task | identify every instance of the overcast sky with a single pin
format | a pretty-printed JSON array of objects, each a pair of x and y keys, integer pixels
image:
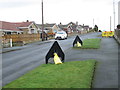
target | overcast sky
[{"x": 64, "y": 11}]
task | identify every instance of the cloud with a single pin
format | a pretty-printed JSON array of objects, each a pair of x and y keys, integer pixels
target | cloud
[
  {"x": 16, "y": 3},
  {"x": 56, "y": 11}
]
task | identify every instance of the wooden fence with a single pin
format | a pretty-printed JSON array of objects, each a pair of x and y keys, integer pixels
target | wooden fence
[{"x": 22, "y": 37}]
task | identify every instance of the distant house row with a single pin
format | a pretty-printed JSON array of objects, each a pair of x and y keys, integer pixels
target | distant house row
[{"x": 30, "y": 27}]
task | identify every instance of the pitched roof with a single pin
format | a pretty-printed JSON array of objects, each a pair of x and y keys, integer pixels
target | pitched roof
[
  {"x": 62, "y": 26},
  {"x": 46, "y": 25},
  {"x": 49, "y": 25},
  {"x": 13, "y": 25},
  {"x": 71, "y": 23}
]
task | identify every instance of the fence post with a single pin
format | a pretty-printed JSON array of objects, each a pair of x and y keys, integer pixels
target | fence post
[{"x": 10, "y": 42}]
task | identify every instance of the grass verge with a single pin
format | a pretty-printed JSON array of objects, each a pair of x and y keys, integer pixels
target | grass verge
[
  {"x": 91, "y": 43},
  {"x": 75, "y": 74}
]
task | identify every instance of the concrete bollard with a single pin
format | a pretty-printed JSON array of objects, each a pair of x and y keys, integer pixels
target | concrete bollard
[{"x": 10, "y": 42}]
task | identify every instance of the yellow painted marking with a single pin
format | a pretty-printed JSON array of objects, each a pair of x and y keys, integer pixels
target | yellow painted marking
[{"x": 57, "y": 59}]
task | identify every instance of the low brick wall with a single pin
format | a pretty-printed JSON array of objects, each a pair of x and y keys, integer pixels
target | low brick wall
[{"x": 117, "y": 35}]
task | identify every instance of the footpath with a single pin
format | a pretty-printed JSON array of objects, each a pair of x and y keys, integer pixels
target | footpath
[
  {"x": 106, "y": 71},
  {"x": 9, "y": 49}
]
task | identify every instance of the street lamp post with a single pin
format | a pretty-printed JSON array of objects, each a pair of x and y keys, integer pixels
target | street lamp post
[{"x": 110, "y": 23}]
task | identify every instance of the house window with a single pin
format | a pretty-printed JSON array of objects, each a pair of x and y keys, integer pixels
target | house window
[
  {"x": 32, "y": 30},
  {"x": 55, "y": 31},
  {"x": 30, "y": 26},
  {"x": 7, "y": 33}
]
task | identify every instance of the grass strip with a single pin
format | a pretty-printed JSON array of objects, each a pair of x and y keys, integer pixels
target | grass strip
[
  {"x": 91, "y": 44},
  {"x": 75, "y": 74}
]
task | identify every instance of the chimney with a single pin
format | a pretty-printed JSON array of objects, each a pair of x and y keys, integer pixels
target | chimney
[
  {"x": 76, "y": 23},
  {"x": 27, "y": 21}
]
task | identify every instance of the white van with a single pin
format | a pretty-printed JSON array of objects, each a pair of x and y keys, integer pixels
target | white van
[{"x": 61, "y": 35}]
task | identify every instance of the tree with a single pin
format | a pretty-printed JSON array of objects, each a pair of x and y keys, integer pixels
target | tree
[
  {"x": 96, "y": 28},
  {"x": 118, "y": 26}
]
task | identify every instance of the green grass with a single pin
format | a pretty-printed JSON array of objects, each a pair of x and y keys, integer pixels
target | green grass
[
  {"x": 75, "y": 74},
  {"x": 91, "y": 43}
]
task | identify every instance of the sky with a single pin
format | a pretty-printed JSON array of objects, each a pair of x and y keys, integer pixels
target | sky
[{"x": 64, "y": 11}]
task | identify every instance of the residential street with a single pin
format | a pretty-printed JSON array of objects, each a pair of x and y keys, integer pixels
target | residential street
[{"x": 17, "y": 63}]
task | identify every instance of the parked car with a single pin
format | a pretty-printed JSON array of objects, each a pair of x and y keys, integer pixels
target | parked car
[{"x": 61, "y": 35}]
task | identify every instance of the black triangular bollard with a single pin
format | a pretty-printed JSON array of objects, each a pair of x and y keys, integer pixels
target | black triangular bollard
[
  {"x": 77, "y": 39},
  {"x": 55, "y": 49}
]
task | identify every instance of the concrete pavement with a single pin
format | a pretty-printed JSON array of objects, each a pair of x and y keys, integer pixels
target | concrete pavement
[{"x": 9, "y": 49}]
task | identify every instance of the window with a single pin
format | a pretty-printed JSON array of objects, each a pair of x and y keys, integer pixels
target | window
[{"x": 32, "y": 30}]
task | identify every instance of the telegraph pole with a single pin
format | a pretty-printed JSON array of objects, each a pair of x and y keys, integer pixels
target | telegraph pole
[
  {"x": 110, "y": 23},
  {"x": 118, "y": 12},
  {"x": 93, "y": 23},
  {"x": 114, "y": 12},
  {"x": 42, "y": 23}
]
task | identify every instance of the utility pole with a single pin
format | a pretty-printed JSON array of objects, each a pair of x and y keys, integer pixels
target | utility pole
[
  {"x": 93, "y": 23},
  {"x": 110, "y": 23},
  {"x": 119, "y": 12},
  {"x": 42, "y": 23},
  {"x": 114, "y": 12}
]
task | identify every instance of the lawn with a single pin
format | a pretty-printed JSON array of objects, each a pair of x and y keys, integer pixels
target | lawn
[
  {"x": 91, "y": 43},
  {"x": 75, "y": 74}
]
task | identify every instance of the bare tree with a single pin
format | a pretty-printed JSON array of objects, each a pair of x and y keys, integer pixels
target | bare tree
[{"x": 96, "y": 28}]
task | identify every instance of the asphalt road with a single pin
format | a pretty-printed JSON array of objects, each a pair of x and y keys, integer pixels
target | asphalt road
[{"x": 17, "y": 63}]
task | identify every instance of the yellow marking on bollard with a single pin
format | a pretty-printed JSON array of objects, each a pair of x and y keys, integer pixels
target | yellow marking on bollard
[
  {"x": 78, "y": 44},
  {"x": 57, "y": 59}
]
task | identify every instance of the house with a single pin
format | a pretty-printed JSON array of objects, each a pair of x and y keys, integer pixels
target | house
[
  {"x": 29, "y": 28},
  {"x": 73, "y": 26},
  {"x": 9, "y": 28},
  {"x": 67, "y": 28},
  {"x": 49, "y": 28},
  {"x": 18, "y": 27},
  {"x": 79, "y": 28},
  {"x": 86, "y": 28}
]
